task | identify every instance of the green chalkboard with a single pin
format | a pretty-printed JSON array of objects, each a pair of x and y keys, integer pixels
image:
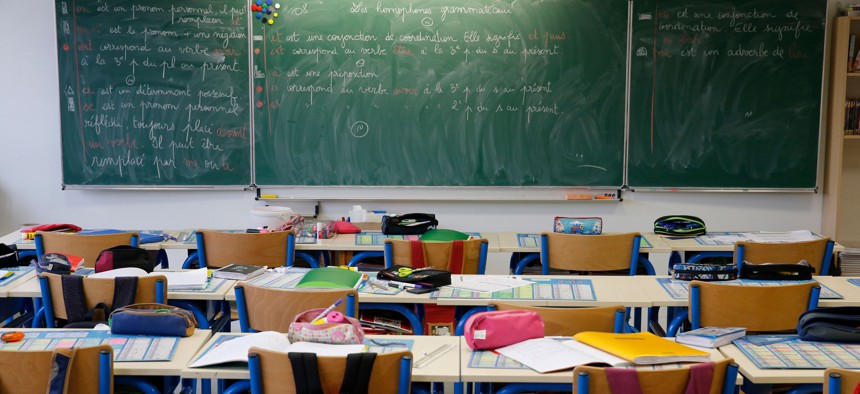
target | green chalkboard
[
  {"x": 154, "y": 93},
  {"x": 441, "y": 93},
  {"x": 726, "y": 94}
]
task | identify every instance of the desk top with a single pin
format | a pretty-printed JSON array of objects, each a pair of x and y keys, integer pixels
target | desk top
[
  {"x": 706, "y": 242},
  {"x": 770, "y": 376},
  {"x": 608, "y": 290},
  {"x": 30, "y": 288},
  {"x": 446, "y": 368},
  {"x": 510, "y": 242},
  {"x": 527, "y": 375},
  {"x": 184, "y": 350},
  {"x": 660, "y": 297}
]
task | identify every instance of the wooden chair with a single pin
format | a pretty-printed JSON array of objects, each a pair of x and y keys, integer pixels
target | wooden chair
[
  {"x": 841, "y": 381},
  {"x": 818, "y": 253},
  {"x": 439, "y": 254},
  {"x": 587, "y": 253},
  {"x": 86, "y": 246},
  {"x": 262, "y": 309},
  {"x": 271, "y": 372},
  {"x": 32, "y": 371},
  {"x": 217, "y": 249},
  {"x": 757, "y": 308},
  {"x": 96, "y": 290},
  {"x": 569, "y": 321},
  {"x": 594, "y": 380}
]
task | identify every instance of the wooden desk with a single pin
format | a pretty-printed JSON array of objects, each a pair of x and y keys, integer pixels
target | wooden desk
[
  {"x": 9, "y": 289},
  {"x": 692, "y": 245},
  {"x": 761, "y": 376},
  {"x": 608, "y": 290},
  {"x": 184, "y": 351},
  {"x": 526, "y": 375},
  {"x": 30, "y": 289},
  {"x": 400, "y": 298},
  {"x": 508, "y": 242},
  {"x": 660, "y": 297},
  {"x": 446, "y": 368}
]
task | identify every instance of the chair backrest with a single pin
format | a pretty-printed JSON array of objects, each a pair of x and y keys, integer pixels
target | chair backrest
[
  {"x": 590, "y": 253},
  {"x": 271, "y": 372},
  {"x": 86, "y": 246},
  {"x": 98, "y": 290},
  {"x": 438, "y": 254},
  {"x": 217, "y": 249},
  {"x": 262, "y": 309},
  {"x": 32, "y": 371},
  {"x": 569, "y": 321},
  {"x": 594, "y": 380},
  {"x": 757, "y": 308},
  {"x": 841, "y": 381},
  {"x": 817, "y": 253}
]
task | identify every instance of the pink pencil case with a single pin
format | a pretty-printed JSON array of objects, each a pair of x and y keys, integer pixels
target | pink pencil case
[{"x": 495, "y": 329}]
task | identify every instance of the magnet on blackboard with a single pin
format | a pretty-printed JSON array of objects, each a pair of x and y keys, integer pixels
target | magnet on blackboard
[
  {"x": 275, "y": 15},
  {"x": 259, "y": 15},
  {"x": 277, "y": 6},
  {"x": 265, "y": 20},
  {"x": 271, "y": 21},
  {"x": 269, "y": 11}
]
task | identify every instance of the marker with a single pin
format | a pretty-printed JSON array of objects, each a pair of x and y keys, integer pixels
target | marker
[{"x": 403, "y": 285}]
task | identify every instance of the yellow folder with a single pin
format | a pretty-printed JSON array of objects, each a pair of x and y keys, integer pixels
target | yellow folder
[{"x": 642, "y": 348}]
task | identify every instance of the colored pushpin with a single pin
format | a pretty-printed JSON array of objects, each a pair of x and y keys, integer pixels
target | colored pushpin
[
  {"x": 277, "y": 6},
  {"x": 265, "y": 20},
  {"x": 275, "y": 15},
  {"x": 259, "y": 15},
  {"x": 269, "y": 11},
  {"x": 271, "y": 21},
  {"x": 269, "y": 2},
  {"x": 265, "y": 6},
  {"x": 259, "y": 2}
]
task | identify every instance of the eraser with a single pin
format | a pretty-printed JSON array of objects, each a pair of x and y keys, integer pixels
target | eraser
[{"x": 579, "y": 196}]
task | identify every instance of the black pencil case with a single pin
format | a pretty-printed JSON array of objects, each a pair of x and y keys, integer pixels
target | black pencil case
[
  {"x": 417, "y": 276},
  {"x": 409, "y": 224},
  {"x": 705, "y": 271}
]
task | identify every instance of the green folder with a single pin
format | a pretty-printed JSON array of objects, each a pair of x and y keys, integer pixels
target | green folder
[{"x": 329, "y": 278}]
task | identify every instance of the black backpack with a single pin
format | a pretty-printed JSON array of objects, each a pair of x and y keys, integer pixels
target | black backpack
[{"x": 124, "y": 256}]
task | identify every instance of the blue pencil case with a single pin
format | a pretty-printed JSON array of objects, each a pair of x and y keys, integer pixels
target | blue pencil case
[{"x": 578, "y": 225}]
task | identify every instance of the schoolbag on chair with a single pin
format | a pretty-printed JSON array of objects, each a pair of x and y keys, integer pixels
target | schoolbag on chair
[{"x": 79, "y": 316}]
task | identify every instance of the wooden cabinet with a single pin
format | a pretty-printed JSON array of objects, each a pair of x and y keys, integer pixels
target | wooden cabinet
[{"x": 841, "y": 218}]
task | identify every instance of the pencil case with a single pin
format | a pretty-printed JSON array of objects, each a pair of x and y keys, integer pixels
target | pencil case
[
  {"x": 705, "y": 271},
  {"x": 341, "y": 330},
  {"x": 578, "y": 225},
  {"x": 838, "y": 324},
  {"x": 427, "y": 277},
  {"x": 152, "y": 319},
  {"x": 408, "y": 224},
  {"x": 680, "y": 225},
  {"x": 495, "y": 329}
]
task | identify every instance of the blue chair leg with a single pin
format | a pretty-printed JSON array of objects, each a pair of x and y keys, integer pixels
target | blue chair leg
[{"x": 241, "y": 386}]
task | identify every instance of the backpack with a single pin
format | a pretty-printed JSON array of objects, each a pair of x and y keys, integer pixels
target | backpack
[
  {"x": 124, "y": 256},
  {"x": 79, "y": 316},
  {"x": 838, "y": 324},
  {"x": 356, "y": 377},
  {"x": 8, "y": 256}
]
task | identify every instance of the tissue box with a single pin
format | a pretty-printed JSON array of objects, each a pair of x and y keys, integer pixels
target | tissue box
[{"x": 312, "y": 230}]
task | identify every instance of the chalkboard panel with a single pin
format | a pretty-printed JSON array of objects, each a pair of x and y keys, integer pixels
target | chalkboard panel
[
  {"x": 154, "y": 92},
  {"x": 726, "y": 94},
  {"x": 441, "y": 92}
]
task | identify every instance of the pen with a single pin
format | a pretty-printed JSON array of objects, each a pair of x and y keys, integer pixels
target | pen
[
  {"x": 360, "y": 282},
  {"x": 327, "y": 310},
  {"x": 403, "y": 285}
]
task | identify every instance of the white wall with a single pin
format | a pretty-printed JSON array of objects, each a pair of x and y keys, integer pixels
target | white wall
[{"x": 30, "y": 173}]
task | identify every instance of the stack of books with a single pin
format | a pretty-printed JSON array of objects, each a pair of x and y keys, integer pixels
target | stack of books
[
  {"x": 239, "y": 271},
  {"x": 711, "y": 337}
]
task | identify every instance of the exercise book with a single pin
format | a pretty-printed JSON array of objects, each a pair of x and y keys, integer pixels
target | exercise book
[
  {"x": 798, "y": 354},
  {"x": 680, "y": 289},
  {"x": 541, "y": 289},
  {"x": 275, "y": 280},
  {"x": 729, "y": 238},
  {"x": 125, "y": 347}
]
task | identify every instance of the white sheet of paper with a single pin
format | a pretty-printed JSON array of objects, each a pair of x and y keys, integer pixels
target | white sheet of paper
[
  {"x": 548, "y": 355},
  {"x": 236, "y": 350},
  {"x": 485, "y": 284},
  {"x": 781, "y": 236},
  {"x": 185, "y": 280}
]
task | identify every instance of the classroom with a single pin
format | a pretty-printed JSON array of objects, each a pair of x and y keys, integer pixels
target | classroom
[
  {"x": 582, "y": 124},
  {"x": 31, "y": 182}
]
